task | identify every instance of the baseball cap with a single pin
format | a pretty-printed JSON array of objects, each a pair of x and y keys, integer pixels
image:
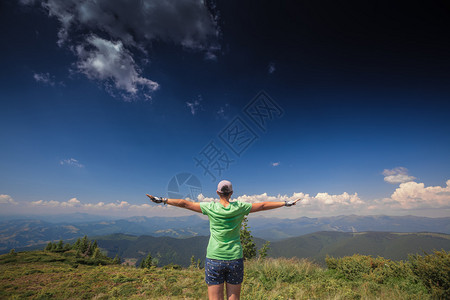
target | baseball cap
[{"x": 224, "y": 187}]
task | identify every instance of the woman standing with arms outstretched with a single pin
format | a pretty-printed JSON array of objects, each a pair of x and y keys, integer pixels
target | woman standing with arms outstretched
[{"x": 224, "y": 258}]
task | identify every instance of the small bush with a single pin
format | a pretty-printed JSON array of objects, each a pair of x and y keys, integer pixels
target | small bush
[
  {"x": 122, "y": 279},
  {"x": 248, "y": 245},
  {"x": 434, "y": 271},
  {"x": 263, "y": 251},
  {"x": 123, "y": 291},
  {"x": 172, "y": 267},
  {"x": 380, "y": 270},
  {"x": 116, "y": 260},
  {"x": 147, "y": 263},
  {"x": 352, "y": 267},
  {"x": 33, "y": 271}
]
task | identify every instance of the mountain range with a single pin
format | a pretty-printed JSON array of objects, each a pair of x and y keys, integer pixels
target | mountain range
[{"x": 33, "y": 231}]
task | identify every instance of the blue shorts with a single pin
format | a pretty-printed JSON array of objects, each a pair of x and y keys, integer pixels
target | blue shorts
[{"x": 220, "y": 271}]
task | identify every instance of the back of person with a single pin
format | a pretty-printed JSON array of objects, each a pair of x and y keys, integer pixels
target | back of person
[{"x": 225, "y": 224}]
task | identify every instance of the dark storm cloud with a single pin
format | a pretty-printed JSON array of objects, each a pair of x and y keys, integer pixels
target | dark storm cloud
[{"x": 108, "y": 31}]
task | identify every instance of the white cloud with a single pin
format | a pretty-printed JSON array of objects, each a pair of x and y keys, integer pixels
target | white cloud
[
  {"x": 275, "y": 164},
  {"x": 71, "y": 162},
  {"x": 44, "y": 78},
  {"x": 209, "y": 55},
  {"x": 50, "y": 203},
  {"x": 271, "y": 67},
  {"x": 127, "y": 26},
  {"x": 104, "y": 60},
  {"x": 195, "y": 105},
  {"x": 118, "y": 208},
  {"x": 221, "y": 113},
  {"x": 397, "y": 175},
  {"x": 75, "y": 203},
  {"x": 7, "y": 199},
  {"x": 319, "y": 202},
  {"x": 202, "y": 198},
  {"x": 413, "y": 195}
]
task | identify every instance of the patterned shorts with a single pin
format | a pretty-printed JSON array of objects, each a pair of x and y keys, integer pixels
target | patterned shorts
[{"x": 220, "y": 271}]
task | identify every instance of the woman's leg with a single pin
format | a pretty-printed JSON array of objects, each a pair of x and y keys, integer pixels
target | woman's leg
[
  {"x": 234, "y": 277},
  {"x": 215, "y": 292},
  {"x": 233, "y": 291}
]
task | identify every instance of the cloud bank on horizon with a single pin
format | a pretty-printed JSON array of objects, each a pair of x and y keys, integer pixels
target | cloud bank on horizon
[
  {"x": 408, "y": 196},
  {"x": 107, "y": 37}
]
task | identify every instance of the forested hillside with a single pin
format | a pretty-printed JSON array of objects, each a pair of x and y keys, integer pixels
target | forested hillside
[{"x": 316, "y": 246}]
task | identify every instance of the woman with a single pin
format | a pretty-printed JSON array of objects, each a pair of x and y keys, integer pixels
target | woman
[{"x": 224, "y": 258}]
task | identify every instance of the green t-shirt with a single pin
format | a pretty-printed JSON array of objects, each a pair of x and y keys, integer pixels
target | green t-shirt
[{"x": 224, "y": 225}]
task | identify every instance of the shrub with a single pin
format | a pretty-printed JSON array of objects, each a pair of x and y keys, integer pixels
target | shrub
[
  {"x": 116, "y": 260},
  {"x": 49, "y": 247},
  {"x": 195, "y": 264},
  {"x": 366, "y": 267},
  {"x": 172, "y": 266},
  {"x": 147, "y": 262},
  {"x": 350, "y": 267},
  {"x": 263, "y": 251},
  {"x": 67, "y": 247},
  {"x": 192, "y": 265},
  {"x": 60, "y": 245},
  {"x": 248, "y": 246},
  {"x": 434, "y": 271},
  {"x": 120, "y": 278}
]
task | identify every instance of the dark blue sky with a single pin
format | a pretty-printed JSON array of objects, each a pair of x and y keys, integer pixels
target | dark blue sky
[{"x": 103, "y": 102}]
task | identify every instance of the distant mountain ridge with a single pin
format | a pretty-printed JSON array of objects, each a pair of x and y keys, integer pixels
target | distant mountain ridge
[
  {"x": 390, "y": 245},
  {"x": 26, "y": 233},
  {"x": 21, "y": 233},
  {"x": 276, "y": 229}
]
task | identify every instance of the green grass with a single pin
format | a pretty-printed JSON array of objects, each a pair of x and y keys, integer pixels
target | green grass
[
  {"x": 301, "y": 279},
  {"x": 45, "y": 275}
]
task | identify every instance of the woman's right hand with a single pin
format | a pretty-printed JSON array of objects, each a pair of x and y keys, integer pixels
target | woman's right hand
[{"x": 157, "y": 199}]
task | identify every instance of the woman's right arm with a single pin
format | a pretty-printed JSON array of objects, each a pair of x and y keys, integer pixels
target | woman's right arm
[{"x": 194, "y": 206}]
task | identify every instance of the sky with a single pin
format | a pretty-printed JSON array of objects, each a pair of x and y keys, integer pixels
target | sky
[{"x": 344, "y": 105}]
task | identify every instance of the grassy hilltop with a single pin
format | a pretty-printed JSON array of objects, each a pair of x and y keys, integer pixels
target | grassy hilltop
[{"x": 64, "y": 275}]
